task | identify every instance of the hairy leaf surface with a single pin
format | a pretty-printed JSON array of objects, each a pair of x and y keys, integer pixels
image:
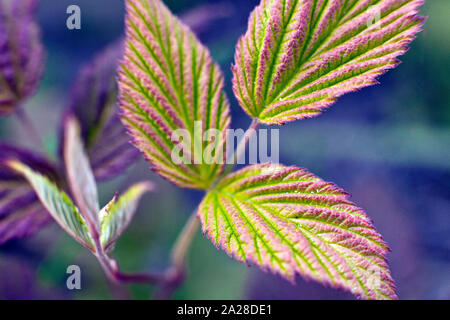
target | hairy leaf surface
[
  {"x": 167, "y": 82},
  {"x": 21, "y": 213},
  {"x": 57, "y": 203},
  {"x": 299, "y": 56},
  {"x": 117, "y": 215},
  {"x": 290, "y": 222},
  {"x": 94, "y": 104},
  {"x": 21, "y": 53}
]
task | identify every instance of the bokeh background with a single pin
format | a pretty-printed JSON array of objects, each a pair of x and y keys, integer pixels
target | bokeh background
[{"x": 388, "y": 145}]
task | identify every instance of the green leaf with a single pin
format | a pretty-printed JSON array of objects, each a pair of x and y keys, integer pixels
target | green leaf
[
  {"x": 117, "y": 214},
  {"x": 288, "y": 221},
  {"x": 21, "y": 213},
  {"x": 171, "y": 94},
  {"x": 79, "y": 173},
  {"x": 57, "y": 203},
  {"x": 299, "y": 56}
]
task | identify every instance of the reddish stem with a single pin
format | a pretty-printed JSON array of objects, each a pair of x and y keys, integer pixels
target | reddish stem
[{"x": 30, "y": 129}]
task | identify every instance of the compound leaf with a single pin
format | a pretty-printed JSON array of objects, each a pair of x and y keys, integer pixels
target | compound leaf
[
  {"x": 299, "y": 56},
  {"x": 171, "y": 94},
  {"x": 290, "y": 222}
]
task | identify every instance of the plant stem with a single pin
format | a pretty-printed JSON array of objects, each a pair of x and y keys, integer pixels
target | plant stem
[
  {"x": 175, "y": 275},
  {"x": 184, "y": 240},
  {"x": 240, "y": 150},
  {"x": 242, "y": 146},
  {"x": 111, "y": 269},
  {"x": 169, "y": 280},
  {"x": 28, "y": 126}
]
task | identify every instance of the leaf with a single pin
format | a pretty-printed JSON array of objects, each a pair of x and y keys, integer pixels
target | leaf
[
  {"x": 79, "y": 174},
  {"x": 21, "y": 53},
  {"x": 117, "y": 214},
  {"x": 94, "y": 104},
  {"x": 21, "y": 213},
  {"x": 57, "y": 203},
  {"x": 299, "y": 56},
  {"x": 168, "y": 82},
  {"x": 290, "y": 222}
]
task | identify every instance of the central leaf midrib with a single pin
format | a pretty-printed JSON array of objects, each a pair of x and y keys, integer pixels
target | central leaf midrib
[{"x": 277, "y": 51}]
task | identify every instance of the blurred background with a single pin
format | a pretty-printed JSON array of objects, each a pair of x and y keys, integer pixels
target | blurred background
[{"x": 388, "y": 145}]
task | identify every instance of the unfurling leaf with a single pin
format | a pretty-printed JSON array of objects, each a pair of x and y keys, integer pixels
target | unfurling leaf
[
  {"x": 299, "y": 56},
  {"x": 171, "y": 94},
  {"x": 290, "y": 222},
  {"x": 79, "y": 174},
  {"x": 21, "y": 53},
  {"x": 116, "y": 215},
  {"x": 21, "y": 213},
  {"x": 57, "y": 203},
  {"x": 94, "y": 104}
]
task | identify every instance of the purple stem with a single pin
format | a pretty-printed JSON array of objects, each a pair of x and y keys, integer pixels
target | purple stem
[
  {"x": 242, "y": 146},
  {"x": 176, "y": 275},
  {"x": 114, "y": 274},
  {"x": 28, "y": 126}
]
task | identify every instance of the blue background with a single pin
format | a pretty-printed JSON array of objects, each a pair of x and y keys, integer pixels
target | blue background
[{"x": 388, "y": 145}]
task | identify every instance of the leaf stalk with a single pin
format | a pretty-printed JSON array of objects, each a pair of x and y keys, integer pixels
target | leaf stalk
[{"x": 30, "y": 129}]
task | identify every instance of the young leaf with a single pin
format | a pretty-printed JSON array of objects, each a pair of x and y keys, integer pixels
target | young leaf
[
  {"x": 287, "y": 220},
  {"x": 94, "y": 104},
  {"x": 21, "y": 213},
  {"x": 117, "y": 214},
  {"x": 79, "y": 174},
  {"x": 299, "y": 56},
  {"x": 57, "y": 203},
  {"x": 21, "y": 53},
  {"x": 167, "y": 82}
]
